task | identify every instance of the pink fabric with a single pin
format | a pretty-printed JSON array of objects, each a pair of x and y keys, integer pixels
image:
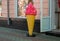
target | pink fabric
[{"x": 30, "y": 10}]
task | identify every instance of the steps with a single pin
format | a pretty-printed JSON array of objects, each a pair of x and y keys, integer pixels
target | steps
[{"x": 53, "y": 33}]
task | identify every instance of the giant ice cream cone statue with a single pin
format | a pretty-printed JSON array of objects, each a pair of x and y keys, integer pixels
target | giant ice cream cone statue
[{"x": 30, "y": 14}]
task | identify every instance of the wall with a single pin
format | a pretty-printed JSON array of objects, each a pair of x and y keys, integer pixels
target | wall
[
  {"x": 11, "y": 8},
  {"x": 4, "y": 8},
  {"x": 45, "y": 8},
  {"x": 37, "y": 6}
]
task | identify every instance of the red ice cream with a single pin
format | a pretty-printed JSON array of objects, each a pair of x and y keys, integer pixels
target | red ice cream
[
  {"x": 30, "y": 14},
  {"x": 30, "y": 10}
]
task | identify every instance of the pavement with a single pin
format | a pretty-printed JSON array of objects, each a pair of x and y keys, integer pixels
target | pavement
[{"x": 8, "y": 34}]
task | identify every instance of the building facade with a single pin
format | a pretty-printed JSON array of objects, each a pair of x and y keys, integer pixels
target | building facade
[{"x": 45, "y": 11}]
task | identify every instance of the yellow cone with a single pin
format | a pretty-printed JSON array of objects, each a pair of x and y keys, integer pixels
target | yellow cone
[{"x": 30, "y": 21}]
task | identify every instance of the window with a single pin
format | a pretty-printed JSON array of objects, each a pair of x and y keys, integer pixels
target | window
[{"x": 21, "y": 7}]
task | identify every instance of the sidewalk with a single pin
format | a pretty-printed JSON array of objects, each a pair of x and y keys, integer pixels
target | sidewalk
[{"x": 7, "y": 34}]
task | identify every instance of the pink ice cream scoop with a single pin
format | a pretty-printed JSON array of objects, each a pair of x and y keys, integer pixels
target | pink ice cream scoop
[{"x": 30, "y": 10}]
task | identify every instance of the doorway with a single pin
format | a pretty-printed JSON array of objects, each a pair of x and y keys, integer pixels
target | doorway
[{"x": 57, "y": 14}]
